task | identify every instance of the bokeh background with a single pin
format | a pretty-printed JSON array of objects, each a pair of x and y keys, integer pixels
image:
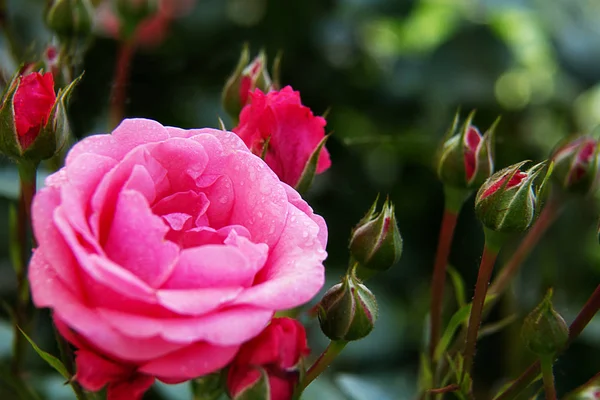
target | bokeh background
[{"x": 392, "y": 74}]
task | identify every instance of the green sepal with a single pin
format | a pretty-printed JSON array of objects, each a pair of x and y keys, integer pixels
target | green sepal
[
  {"x": 49, "y": 358},
  {"x": 259, "y": 390},
  {"x": 208, "y": 387},
  {"x": 310, "y": 169}
]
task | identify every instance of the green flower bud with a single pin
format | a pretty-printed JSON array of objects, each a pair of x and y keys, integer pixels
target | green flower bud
[
  {"x": 544, "y": 330},
  {"x": 348, "y": 310},
  {"x": 465, "y": 159},
  {"x": 70, "y": 18},
  {"x": 507, "y": 201},
  {"x": 246, "y": 77},
  {"x": 376, "y": 242},
  {"x": 576, "y": 165}
]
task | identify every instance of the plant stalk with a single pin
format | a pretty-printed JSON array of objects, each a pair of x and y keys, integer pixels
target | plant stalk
[
  {"x": 325, "y": 359},
  {"x": 121, "y": 82}
]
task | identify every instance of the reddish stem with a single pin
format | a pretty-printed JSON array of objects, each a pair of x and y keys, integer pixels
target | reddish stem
[
  {"x": 584, "y": 317},
  {"x": 438, "y": 280},
  {"x": 120, "y": 83},
  {"x": 483, "y": 278}
]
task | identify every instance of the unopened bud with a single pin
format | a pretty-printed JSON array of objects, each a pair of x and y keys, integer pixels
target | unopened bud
[
  {"x": 376, "y": 242},
  {"x": 576, "y": 165},
  {"x": 507, "y": 201},
  {"x": 348, "y": 310},
  {"x": 70, "y": 18},
  {"x": 465, "y": 160},
  {"x": 544, "y": 330}
]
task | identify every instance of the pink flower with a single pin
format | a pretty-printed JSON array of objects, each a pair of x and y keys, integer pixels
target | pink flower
[
  {"x": 162, "y": 250},
  {"x": 150, "y": 32},
  {"x": 275, "y": 355},
  {"x": 33, "y": 104},
  {"x": 472, "y": 140},
  {"x": 290, "y": 130}
]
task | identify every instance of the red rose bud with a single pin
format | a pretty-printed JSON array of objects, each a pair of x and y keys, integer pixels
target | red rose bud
[
  {"x": 33, "y": 116},
  {"x": 465, "y": 158},
  {"x": 576, "y": 165},
  {"x": 348, "y": 310},
  {"x": 245, "y": 78},
  {"x": 376, "y": 242},
  {"x": 507, "y": 201},
  {"x": 70, "y": 18},
  {"x": 277, "y": 127},
  {"x": 544, "y": 330},
  {"x": 269, "y": 366}
]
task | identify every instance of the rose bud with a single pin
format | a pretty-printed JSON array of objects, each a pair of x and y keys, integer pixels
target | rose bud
[
  {"x": 70, "y": 18},
  {"x": 244, "y": 80},
  {"x": 576, "y": 165},
  {"x": 268, "y": 367},
  {"x": 34, "y": 117},
  {"x": 544, "y": 330},
  {"x": 465, "y": 158},
  {"x": 348, "y": 310},
  {"x": 277, "y": 127},
  {"x": 376, "y": 242},
  {"x": 507, "y": 202}
]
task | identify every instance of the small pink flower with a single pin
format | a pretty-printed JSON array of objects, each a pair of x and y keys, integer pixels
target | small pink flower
[
  {"x": 162, "y": 250},
  {"x": 472, "y": 140},
  {"x": 289, "y": 129},
  {"x": 574, "y": 161},
  {"x": 276, "y": 353},
  {"x": 33, "y": 104}
]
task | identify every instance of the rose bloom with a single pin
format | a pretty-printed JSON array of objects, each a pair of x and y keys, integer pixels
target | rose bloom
[
  {"x": 153, "y": 30},
  {"x": 33, "y": 102},
  {"x": 289, "y": 129},
  {"x": 277, "y": 353},
  {"x": 162, "y": 250}
]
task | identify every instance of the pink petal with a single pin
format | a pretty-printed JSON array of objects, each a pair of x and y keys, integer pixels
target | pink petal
[
  {"x": 94, "y": 372},
  {"x": 128, "y": 135},
  {"x": 295, "y": 199},
  {"x": 190, "y": 362},
  {"x": 227, "y": 327},
  {"x": 136, "y": 240},
  {"x": 132, "y": 389},
  {"x": 211, "y": 266},
  {"x": 196, "y": 301},
  {"x": 294, "y": 272}
]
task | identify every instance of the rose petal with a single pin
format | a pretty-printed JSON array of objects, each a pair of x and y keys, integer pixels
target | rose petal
[
  {"x": 132, "y": 389},
  {"x": 94, "y": 372},
  {"x": 196, "y": 301}
]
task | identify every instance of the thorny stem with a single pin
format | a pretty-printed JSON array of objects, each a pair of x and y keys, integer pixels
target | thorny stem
[
  {"x": 120, "y": 83},
  {"x": 586, "y": 314},
  {"x": 438, "y": 280}
]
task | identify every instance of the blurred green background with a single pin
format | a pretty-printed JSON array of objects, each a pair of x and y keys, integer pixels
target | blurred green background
[{"x": 393, "y": 74}]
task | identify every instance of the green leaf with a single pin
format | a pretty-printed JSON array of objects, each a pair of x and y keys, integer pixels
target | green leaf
[
  {"x": 459, "y": 318},
  {"x": 310, "y": 169},
  {"x": 494, "y": 327},
  {"x": 459, "y": 286},
  {"x": 49, "y": 358}
]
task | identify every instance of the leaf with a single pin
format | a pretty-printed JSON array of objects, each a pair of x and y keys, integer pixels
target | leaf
[
  {"x": 459, "y": 286},
  {"x": 459, "y": 318},
  {"x": 494, "y": 327},
  {"x": 310, "y": 169},
  {"x": 49, "y": 358}
]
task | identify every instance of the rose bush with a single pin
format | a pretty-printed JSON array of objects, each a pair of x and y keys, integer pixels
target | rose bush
[
  {"x": 289, "y": 129},
  {"x": 162, "y": 250}
]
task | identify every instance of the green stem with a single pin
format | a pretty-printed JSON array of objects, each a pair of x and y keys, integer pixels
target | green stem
[
  {"x": 589, "y": 310},
  {"x": 491, "y": 249},
  {"x": 548, "y": 377},
  {"x": 27, "y": 176},
  {"x": 438, "y": 279},
  {"x": 120, "y": 83},
  {"x": 325, "y": 359}
]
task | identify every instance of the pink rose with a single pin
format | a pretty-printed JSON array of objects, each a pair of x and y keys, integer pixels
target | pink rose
[
  {"x": 33, "y": 104},
  {"x": 162, "y": 250},
  {"x": 274, "y": 355},
  {"x": 290, "y": 130}
]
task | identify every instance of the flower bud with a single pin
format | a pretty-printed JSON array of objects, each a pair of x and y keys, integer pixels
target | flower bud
[
  {"x": 70, "y": 18},
  {"x": 576, "y": 165},
  {"x": 507, "y": 201},
  {"x": 544, "y": 330},
  {"x": 269, "y": 366},
  {"x": 348, "y": 310},
  {"x": 465, "y": 158},
  {"x": 245, "y": 78},
  {"x": 33, "y": 117},
  {"x": 376, "y": 242}
]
